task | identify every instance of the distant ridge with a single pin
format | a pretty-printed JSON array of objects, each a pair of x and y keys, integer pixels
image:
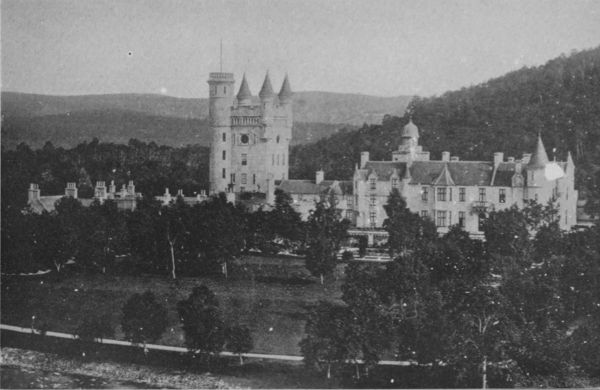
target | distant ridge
[
  {"x": 68, "y": 120},
  {"x": 312, "y": 106}
]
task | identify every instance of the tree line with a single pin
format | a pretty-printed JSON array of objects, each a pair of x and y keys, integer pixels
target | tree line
[
  {"x": 516, "y": 309},
  {"x": 176, "y": 239}
]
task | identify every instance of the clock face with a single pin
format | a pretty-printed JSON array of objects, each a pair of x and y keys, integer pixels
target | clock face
[{"x": 244, "y": 138}]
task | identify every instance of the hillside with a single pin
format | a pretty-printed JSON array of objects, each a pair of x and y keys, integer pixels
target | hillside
[
  {"x": 560, "y": 99},
  {"x": 315, "y": 107},
  {"x": 68, "y": 120},
  {"x": 119, "y": 126}
]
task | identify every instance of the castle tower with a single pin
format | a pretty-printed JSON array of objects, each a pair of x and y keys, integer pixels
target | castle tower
[
  {"x": 250, "y": 143},
  {"x": 220, "y": 102}
]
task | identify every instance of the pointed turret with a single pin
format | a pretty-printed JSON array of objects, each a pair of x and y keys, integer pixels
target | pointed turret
[
  {"x": 285, "y": 94},
  {"x": 244, "y": 96},
  {"x": 266, "y": 92},
  {"x": 539, "y": 159}
]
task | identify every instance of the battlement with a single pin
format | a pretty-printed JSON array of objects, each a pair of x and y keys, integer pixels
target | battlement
[{"x": 220, "y": 76}]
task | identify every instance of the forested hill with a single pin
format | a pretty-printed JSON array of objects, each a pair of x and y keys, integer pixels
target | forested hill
[{"x": 560, "y": 99}]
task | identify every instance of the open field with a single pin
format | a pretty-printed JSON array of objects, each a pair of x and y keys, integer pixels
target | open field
[{"x": 270, "y": 298}]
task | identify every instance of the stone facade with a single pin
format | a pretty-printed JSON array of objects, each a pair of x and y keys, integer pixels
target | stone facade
[
  {"x": 250, "y": 142},
  {"x": 449, "y": 191},
  {"x": 454, "y": 192}
]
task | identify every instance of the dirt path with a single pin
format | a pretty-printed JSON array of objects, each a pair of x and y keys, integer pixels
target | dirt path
[{"x": 33, "y": 369}]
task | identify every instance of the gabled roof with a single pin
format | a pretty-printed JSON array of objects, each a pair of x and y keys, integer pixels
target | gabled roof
[
  {"x": 308, "y": 187},
  {"x": 267, "y": 90},
  {"x": 48, "y": 203},
  {"x": 385, "y": 169},
  {"x": 445, "y": 178}
]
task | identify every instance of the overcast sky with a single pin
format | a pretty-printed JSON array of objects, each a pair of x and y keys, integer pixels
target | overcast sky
[{"x": 384, "y": 48}]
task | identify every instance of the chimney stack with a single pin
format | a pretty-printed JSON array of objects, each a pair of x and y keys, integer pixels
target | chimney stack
[
  {"x": 71, "y": 190},
  {"x": 364, "y": 159},
  {"x": 34, "y": 192},
  {"x": 445, "y": 156},
  {"x": 319, "y": 177},
  {"x": 498, "y": 158},
  {"x": 526, "y": 158}
]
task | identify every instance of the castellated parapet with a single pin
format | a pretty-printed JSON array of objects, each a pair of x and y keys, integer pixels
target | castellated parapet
[{"x": 250, "y": 142}]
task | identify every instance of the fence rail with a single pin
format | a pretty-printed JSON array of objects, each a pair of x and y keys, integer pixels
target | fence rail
[{"x": 266, "y": 356}]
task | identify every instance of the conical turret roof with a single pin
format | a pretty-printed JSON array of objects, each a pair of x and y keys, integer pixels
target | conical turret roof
[
  {"x": 410, "y": 130},
  {"x": 539, "y": 159},
  {"x": 244, "y": 92},
  {"x": 286, "y": 90},
  {"x": 267, "y": 90}
]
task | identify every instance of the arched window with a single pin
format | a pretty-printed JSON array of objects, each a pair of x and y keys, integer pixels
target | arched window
[
  {"x": 224, "y": 155},
  {"x": 277, "y": 139}
]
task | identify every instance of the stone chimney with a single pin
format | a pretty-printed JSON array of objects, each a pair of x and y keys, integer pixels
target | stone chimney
[
  {"x": 364, "y": 159},
  {"x": 71, "y": 190},
  {"x": 526, "y": 158},
  {"x": 34, "y": 193},
  {"x": 510, "y": 159},
  {"x": 498, "y": 158},
  {"x": 454, "y": 158},
  {"x": 180, "y": 193},
  {"x": 100, "y": 190},
  {"x": 445, "y": 156},
  {"x": 112, "y": 188},
  {"x": 131, "y": 188},
  {"x": 319, "y": 176}
]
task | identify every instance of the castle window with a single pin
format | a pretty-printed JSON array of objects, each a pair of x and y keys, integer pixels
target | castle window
[
  {"x": 253, "y": 178},
  {"x": 224, "y": 173},
  {"x": 232, "y": 178},
  {"x": 502, "y": 195},
  {"x": 243, "y": 178},
  {"x": 441, "y": 194},
  {"x": 244, "y": 159},
  {"x": 424, "y": 214},
  {"x": 449, "y": 194},
  {"x": 482, "y": 194},
  {"x": 224, "y": 137},
  {"x": 441, "y": 218},
  {"x": 225, "y": 90},
  {"x": 277, "y": 139},
  {"x": 224, "y": 155},
  {"x": 373, "y": 200},
  {"x": 462, "y": 191},
  {"x": 394, "y": 182},
  {"x": 244, "y": 139},
  {"x": 425, "y": 194},
  {"x": 373, "y": 183},
  {"x": 461, "y": 219},
  {"x": 373, "y": 218}
]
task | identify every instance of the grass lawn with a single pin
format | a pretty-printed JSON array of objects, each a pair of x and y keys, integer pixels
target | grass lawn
[{"x": 270, "y": 296}]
